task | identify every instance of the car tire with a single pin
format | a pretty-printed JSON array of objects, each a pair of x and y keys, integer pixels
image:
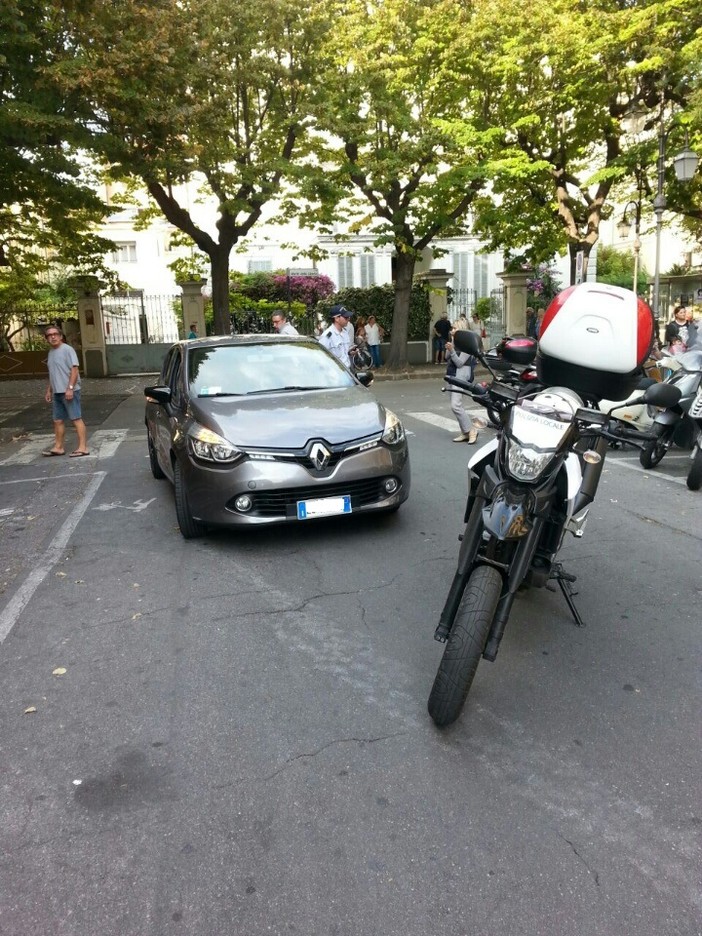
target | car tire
[
  {"x": 189, "y": 526},
  {"x": 156, "y": 469}
]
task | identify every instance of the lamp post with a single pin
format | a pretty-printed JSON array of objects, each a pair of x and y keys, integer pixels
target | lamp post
[
  {"x": 685, "y": 165},
  {"x": 623, "y": 229}
]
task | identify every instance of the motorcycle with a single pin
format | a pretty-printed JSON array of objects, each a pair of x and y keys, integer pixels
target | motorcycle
[
  {"x": 678, "y": 424},
  {"x": 528, "y": 487}
]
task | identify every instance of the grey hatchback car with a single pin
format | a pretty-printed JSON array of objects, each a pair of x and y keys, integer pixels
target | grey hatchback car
[{"x": 264, "y": 429}]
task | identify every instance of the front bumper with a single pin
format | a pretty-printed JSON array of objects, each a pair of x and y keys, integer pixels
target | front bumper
[{"x": 276, "y": 486}]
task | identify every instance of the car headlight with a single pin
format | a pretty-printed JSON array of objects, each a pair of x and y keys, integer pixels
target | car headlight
[
  {"x": 208, "y": 446},
  {"x": 394, "y": 431},
  {"x": 526, "y": 464}
]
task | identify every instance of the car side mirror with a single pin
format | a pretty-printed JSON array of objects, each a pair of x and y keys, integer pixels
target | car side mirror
[
  {"x": 158, "y": 394},
  {"x": 467, "y": 342},
  {"x": 365, "y": 378},
  {"x": 663, "y": 395}
]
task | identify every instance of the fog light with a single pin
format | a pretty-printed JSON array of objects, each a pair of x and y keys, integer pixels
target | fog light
[
  {"x": 390, "y": 485},
  {"x": 243, "y": 503},
  {"x": 591, "y": 457}
]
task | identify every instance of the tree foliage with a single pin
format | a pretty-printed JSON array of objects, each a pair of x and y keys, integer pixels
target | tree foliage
[
  {"x": 185, "y": 91},
  {"x": 616, "y": 267},
  {"x": 47, "y": 204},
  {"x": 386, "y": 163},
  {"x": 560, "y": 100}
]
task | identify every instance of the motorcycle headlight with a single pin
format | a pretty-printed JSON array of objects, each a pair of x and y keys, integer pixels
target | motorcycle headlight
[
  {"x": 525, "y": 464},
  {"x": 394, "y": 431},
  {"x": 208, "y": 446}
]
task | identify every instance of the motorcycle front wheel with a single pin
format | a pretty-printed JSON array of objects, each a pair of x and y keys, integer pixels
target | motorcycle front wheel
[
  {"x": 694, "y": 477},
  {"x": 652, "y": 452},
  {"x": 465, "y": 645}
]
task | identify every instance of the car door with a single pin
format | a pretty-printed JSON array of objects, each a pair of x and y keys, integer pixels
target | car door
[{"x": 162, "y": 416}]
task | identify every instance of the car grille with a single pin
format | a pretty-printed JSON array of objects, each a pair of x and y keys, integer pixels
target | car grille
[{"x": 282, "y": 502}]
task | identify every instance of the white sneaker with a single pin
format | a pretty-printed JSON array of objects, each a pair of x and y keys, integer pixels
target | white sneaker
[
  {"x": 463, "y": 437},
  {"x": 472, "y": 436}
]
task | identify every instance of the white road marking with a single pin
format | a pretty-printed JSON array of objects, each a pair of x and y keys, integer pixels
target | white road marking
[
  {"x": 441, "y": 422},
  {"x": 103, "y": 443},
  {"x": 30, "y": 450},
  {"x": 138, "y": 505},
  {"x": 53, "y": 477},
  {"x": 53, "y": 554},
  {"x": 633, "y": 467}
]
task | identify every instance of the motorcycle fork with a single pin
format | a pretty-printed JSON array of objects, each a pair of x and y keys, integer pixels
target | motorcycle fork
[
  {"x": 518, "y": 568},
  {"x": 470, "y": 542}
]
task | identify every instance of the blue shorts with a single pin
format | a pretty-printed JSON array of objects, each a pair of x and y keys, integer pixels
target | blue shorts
[{"x": 66, "y": 409}]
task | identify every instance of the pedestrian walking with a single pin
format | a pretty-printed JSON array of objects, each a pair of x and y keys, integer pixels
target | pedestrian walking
[
  {"x": 442, "y": 333},
  {"x": 282, "y": 325},
  {"x": 63, "y": 392},
  {"x": 461, "y": 365},
  {"x": 374, "y": 335}
]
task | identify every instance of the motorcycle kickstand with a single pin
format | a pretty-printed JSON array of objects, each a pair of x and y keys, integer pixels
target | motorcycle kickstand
[{"x": 565, "y": 583}]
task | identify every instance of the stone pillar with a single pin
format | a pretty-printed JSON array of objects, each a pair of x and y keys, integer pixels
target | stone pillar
[
  {"x": 438, "y": 285},
  {"x": 515, "y": 301},
  {"x": 193, "y": 307},
  {"x": 92, "y": 330}
]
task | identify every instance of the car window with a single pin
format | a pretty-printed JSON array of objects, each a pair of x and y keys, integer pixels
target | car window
[
  {"x": 259, "y": 368},
  {"x": 174, "y": 379},
  {"x": 167, "y": 365}
]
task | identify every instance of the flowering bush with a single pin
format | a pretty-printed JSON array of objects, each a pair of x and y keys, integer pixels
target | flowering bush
[{"x": 542, "y": 287}]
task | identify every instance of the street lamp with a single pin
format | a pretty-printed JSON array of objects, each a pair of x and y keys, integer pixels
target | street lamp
[
  {"x": 685, "y": 165},
  {"x": 623, "y": 229}
]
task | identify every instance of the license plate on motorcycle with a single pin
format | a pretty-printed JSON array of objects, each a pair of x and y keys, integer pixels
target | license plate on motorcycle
[{"x": 323, "y": 507}]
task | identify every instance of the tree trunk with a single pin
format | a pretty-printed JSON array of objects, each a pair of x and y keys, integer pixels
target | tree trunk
[
  {"x": 219, "y": 261},
  {"x": 405, "y": 261},
  {"x": 574, "y": 248}
]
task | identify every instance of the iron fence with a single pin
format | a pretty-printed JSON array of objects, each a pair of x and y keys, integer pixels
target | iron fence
[
  {"x": 461, "y": 303},
  {"x": 496, "y": 323},
  {"x": 134, "y": 318}
]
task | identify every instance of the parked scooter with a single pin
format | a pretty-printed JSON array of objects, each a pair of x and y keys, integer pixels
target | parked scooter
[
  {"x": 528, "y": 487},
  {"x": 676, "y": 424}
]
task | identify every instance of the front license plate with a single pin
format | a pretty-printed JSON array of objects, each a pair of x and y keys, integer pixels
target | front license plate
[{"x": 323, "y": 507}]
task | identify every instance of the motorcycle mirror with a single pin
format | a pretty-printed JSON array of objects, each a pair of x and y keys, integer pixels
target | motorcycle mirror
[
  {"x": 663, "y": 395},
  {"x": 468, "y": 342}
]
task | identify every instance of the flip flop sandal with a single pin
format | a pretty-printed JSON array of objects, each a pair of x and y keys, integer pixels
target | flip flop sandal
[
  {"x": 52, "y": 454},
  {"x": 78, "y": 454}
]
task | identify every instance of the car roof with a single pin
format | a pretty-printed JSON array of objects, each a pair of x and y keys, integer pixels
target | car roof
[{"x": 228, "y": 341}]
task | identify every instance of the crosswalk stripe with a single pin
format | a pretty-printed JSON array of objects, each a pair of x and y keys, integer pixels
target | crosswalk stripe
[
  {"x": 441, "y": 422},
  {"x": 30, "y": 450},
  {"x": 103, "y": 443}
]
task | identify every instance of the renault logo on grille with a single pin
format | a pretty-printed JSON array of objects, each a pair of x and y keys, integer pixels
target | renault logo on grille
[{"x": 320, "y": 456}]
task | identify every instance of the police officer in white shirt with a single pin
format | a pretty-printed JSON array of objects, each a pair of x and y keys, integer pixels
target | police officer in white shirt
[{"x": 336, "y": 338}]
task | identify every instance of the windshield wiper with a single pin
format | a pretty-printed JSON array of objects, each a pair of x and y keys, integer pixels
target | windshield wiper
[
  {"x": 283, "y": 390},
  {"x": 205, "y": 396}
]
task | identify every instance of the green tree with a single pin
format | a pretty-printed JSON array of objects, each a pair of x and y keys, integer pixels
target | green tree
[
  {"x": 196, "y": 92},
  {"x": 47, "y": 204},
  {"x": 382, "y": 146},
  {"x": 617, "y": 268},
  {"x": 560, "y": 101}
]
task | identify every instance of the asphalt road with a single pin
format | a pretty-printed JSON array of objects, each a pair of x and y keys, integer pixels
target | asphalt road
[{"x": 230, "y": 735}]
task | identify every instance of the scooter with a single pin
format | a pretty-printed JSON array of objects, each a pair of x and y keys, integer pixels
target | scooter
[
  {"x": 676, "y": 424},
  {"x": 528, "y": 487}
]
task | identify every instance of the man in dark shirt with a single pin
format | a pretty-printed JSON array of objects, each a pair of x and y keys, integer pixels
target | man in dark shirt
[{"x": 442, "y": 332}]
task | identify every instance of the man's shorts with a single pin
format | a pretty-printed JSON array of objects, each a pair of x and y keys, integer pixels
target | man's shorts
[{"x": 66, "y": 409}]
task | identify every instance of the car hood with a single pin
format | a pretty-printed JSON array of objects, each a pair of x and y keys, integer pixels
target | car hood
[{"x": 291, "y": 419}]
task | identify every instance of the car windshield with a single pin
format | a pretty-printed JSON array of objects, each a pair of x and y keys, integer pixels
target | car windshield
[{"x": 242, "y": 369}]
